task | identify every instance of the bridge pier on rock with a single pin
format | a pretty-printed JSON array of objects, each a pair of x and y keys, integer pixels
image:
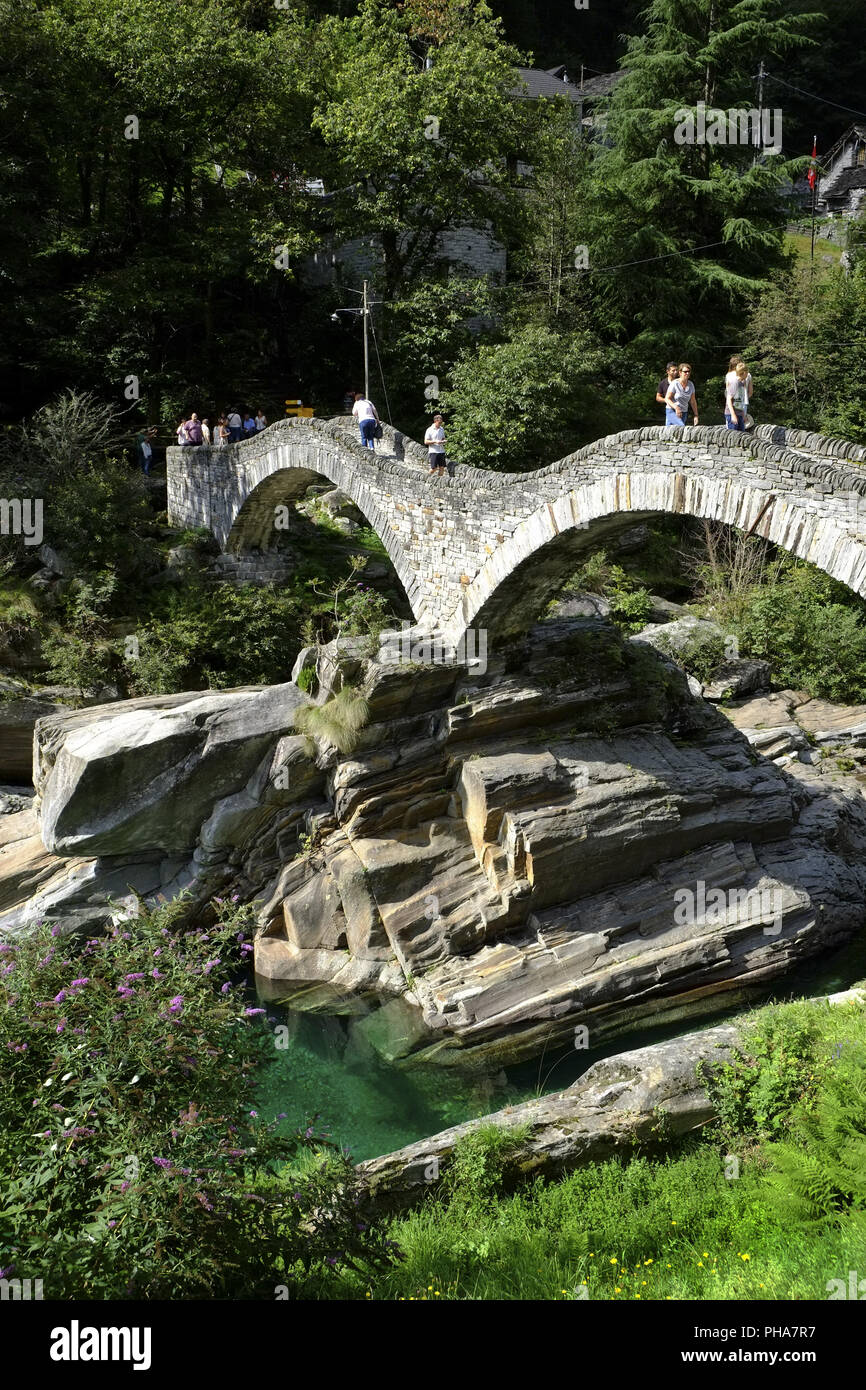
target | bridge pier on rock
[{"x": 487, "y": 550}]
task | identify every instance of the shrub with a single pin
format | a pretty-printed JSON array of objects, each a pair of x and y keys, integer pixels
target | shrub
[
  {"x": 131, "y": 1162},
  {"x": 775, "y": 1070},
  {"x": 339, "y": 720},
  {"x": 630, "y": 603}
]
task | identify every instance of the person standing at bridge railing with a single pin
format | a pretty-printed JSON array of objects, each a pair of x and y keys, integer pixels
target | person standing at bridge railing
[
  {"x": 681, "y": 398},
  {"x": 665, "y": 382},
  {"x": 367, "y": 416},
  {"x": 236, "y": 426},
  {"x": 737, "y": 397}
]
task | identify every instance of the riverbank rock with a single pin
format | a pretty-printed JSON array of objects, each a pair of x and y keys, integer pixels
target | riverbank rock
[
  {"x": 647, "y": 1097},
  {"x": 144, "y": 775}
]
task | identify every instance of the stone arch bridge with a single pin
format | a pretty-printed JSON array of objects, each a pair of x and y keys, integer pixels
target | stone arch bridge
[{"x": 488, "y": 550}]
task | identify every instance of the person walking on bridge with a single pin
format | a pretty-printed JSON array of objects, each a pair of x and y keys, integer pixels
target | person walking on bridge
[
  {"x": 367, "y": 416},
  {"x": 680, "y": 398},
  {"x": 738, "y": 393},
  {"x": 435, "y": 441}
]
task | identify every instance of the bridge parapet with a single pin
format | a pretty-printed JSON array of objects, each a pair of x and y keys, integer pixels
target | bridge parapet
[{"x": 485, "y": 548}]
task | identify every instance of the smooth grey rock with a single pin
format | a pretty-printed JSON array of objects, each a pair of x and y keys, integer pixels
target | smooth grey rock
[
  {"x": 734, "y": 679},
  {"x": 145, "y": 774},
  {"x": 679, "y": 637},
  {"x": 54, "y": 561}
]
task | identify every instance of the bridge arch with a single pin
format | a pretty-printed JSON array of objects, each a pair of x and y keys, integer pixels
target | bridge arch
[
  {"x": 486, "y": 549},
  {"x": 810, "y": 502}
]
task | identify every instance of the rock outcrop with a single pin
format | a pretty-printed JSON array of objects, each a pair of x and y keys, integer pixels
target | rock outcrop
[{"x": 569, "y": 840}]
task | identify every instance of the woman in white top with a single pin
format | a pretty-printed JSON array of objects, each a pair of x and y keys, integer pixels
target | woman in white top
[
  {"x": 261, "y": 422},
  {"x": 737, "y": 389},
  {"x": 681, "y": 398}
]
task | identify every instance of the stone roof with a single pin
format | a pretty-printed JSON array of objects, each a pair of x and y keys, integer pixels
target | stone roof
[
  {"x": 848, "y": 180},
  {"x": 559, "y": 82}
]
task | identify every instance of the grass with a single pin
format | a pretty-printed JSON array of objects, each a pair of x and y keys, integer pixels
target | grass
[
  {"x": 825, "y": 251},
  {"x": 704, "y": 1222}
]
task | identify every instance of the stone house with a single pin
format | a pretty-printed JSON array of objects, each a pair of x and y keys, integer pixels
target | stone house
[
  {"x": 842, "y": 187},
  {"x": 472, "y": 250}
]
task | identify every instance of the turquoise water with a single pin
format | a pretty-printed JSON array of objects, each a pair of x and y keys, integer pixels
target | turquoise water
[{"x": 329, "y": 1070}]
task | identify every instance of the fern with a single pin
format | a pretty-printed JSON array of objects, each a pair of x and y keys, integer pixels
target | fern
[
  {"x": 339, "y": 720},
  {"x": 820, "y": 1170}
]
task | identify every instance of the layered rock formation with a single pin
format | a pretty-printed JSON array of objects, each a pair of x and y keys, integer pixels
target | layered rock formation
[{"x": 570, "y": 841}]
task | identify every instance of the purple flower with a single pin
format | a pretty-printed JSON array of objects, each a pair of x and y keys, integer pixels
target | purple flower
[
  {"x": 125, "y": 991},
  {"x": 139, "y": 975},
  {"x": 55, "y": 931},
  {"x": 124, "y": 1185},
  {"x": 77, "y": 984},
  {"x": 162, "y": 1162},
  {"x": 7, "y": 970},
  {"x": 246, "y": 948},
  {"x": 175, "y": 1004},
  {"x": 157, "y": 952},
  {"x": 111, "y": 1223},
  {"x": 61, "y": 1025},
  {"x": 4, "y": 946},
  {"x": 59, "y": 998},
  {"x": 209, "y": 965},
  {"x": 249, "y": 1013},
  {"x": 255, "y": 1114},
  {"x": 225, "y": 989},
  {"x": 157, "y": 974}
]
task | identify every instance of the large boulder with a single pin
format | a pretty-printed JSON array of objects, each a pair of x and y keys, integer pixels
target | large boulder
[{"x": 144, "y": 775}]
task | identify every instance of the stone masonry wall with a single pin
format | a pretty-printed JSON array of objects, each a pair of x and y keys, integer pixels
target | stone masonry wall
[{"x": 454, "y": 542}]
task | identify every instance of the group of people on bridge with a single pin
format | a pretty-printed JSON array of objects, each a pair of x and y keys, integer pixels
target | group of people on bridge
[
  {"x": 676, "y": 392},
  {"x": 370, "y": 428}
]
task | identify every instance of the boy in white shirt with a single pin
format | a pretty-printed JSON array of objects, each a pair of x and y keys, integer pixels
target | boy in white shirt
[{"x": 435, "y": 441}]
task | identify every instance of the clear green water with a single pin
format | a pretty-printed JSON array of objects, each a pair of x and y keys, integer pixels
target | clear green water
[{"x": 370, "y": 1107}]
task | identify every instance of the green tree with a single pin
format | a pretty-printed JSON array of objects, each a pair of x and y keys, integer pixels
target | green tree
[
  {"x": 657, "y": 197},
  {"x": 516, "y": 404},
  {"x": 416, "y": 103}
]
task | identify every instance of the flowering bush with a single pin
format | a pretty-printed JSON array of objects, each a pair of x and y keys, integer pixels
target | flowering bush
[{"x": 131, "y": 1161}]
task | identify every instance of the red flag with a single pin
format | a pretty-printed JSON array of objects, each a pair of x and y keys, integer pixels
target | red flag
[{"x": 813, "y": 167}]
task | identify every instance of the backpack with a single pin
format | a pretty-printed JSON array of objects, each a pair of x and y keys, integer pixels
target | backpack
[{"x": 193, "y": 432}]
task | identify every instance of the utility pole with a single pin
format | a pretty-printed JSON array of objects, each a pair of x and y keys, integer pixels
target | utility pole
[
  {"x": 760, "y": 124},
  {"x": 366, "y": 313}
]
